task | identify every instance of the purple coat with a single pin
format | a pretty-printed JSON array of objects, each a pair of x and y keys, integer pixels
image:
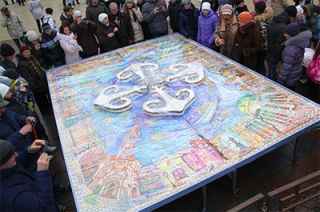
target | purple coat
[
  {"x": 206, "y": 28},
  {"x": 292, "y": 57}
]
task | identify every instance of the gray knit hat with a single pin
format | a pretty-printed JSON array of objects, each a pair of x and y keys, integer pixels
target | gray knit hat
[{"x": 6, "y": 151}]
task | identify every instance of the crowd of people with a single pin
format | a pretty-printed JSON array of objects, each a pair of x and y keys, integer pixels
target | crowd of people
[{"x": 271, "y": 34}]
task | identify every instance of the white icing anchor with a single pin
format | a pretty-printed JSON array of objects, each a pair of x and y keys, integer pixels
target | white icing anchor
[
  {"x": 137, "y": 69},
  {"x": 111, "y": 98},
  {"x": 192, "y": 73},
  {"x": 172, "y": 105}
]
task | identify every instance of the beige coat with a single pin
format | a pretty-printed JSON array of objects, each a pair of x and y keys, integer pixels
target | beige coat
[
  {"x": 278, "y": 6},
  {"x": 227, "y": 33},
  {"x": 14, "y": 25}
]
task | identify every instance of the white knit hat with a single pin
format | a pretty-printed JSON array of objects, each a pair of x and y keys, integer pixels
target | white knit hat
[
  {"x": 102, "y": 16},
  {"x": 32, "y": 36},
  {"x": 76, "y": 14},
  {"x": 299, "y": 10},
  {"x": 4, "y": 90},
  {"x": 206, "y": 6},
  {"x": 5, "y": 80}
]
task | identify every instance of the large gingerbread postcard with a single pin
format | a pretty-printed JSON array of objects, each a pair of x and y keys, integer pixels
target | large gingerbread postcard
[{"x": 145, "y": 124}]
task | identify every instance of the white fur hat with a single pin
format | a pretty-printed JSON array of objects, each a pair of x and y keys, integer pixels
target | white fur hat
[
  {"x": 206, "y": 6},
  {"x": 102, "y": 16},
  {"x": 32, "y": 36}
]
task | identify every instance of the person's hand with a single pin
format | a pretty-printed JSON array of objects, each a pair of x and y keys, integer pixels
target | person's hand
[
  {"x": 220, "y": 42},
  {"x": 110, "y": 34},
  {"x": 36, "y": 145},
  {"x": 23, "y": 89},
  {"x": 163, "y": 9},
  {"x": 75, "y": 36},
  {"x": 117, "y": 21},
  {"x": 43, "y": 162},
  {"x": 115, "y": 29},
  {"x": 26, "y": 129},
  {"x": 30, "y": 120},
  {"x": 134, "y": 9},
  {"x": 156, "y": 10}
]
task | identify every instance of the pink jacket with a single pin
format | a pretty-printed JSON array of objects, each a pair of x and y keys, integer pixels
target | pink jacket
[{"x": 314, "y": 70}]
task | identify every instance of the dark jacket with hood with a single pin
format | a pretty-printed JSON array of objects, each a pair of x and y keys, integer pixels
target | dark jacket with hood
[
  {"x": 10, "y": 125},
  {"x": 126, "y": 34},
  {"x": 275, "y": 36},
  {"x": 188, "y": 22},
  {"x": 106, "y": 43},
  {"x": 22, "y": 190},
  {"x": 85, "y": 31},
  {"x": 292, "y": 57},
  {"x": 157, "y": 22},
  {"x": 93, "y": 11},
  {"x": 174, "y": 8}
]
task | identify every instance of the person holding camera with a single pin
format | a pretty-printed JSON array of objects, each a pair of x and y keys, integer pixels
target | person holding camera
[
  {"x": 85, "y": 30},
  {"x": 22, "y": 188},
  {"x": 155, "y": 13},
  {"x": 107, "y": 34}
]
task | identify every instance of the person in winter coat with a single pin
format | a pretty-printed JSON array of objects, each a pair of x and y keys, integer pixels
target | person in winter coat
[
  {"x": 313, "y": 23},
  {"x": 94, "y": 9},
  {"x": 135, "y": 15},
  {"x": 144, "y": 25},
  {"x": 262, "y": 18},
  {"x": 221, "y": 3},
  {"x": 8, "y": 53},
  {"x": 226, "y": 30},
  {"x": 35, "y": 7},
  {"x": 50, "y": 46},
  {"x": 174, "y": 8},
  {"x": 107, "y": 34},
  {"x": 66, "y": 17},
  {"x": 85, "y": 30},
  {"x": 155, "y": 13},
  {"x": 188, "y": 20},
  {"x": 32, "y": 40},
  {"x": 275, "y": 38},
  {"x": 248, "y": 38},
  {"x": 49, "y": 19},
  {"x": 15, "y": 127},
  {"x": 122, "y": 22},
  {"x": 14, "y": 25},
  {"x": 292, "y": 55},
  {"x": 22, "y": 187},
  {"x": 21, "y": 91},
  {"x": 207, "y": 22},
  {"x": 313, "y": 73},
  {"x": 30, "y": 69},
  {"x": 70, "y": 46}
]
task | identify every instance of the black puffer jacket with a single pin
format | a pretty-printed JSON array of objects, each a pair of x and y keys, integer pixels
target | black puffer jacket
[
  {"x": 275, "y": 36},
  {"x": 175, "y": 7}
]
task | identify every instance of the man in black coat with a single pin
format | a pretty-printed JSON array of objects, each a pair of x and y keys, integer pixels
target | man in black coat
[
  {"x": 275, "y": 38},
  {"x": 174, "y": 8},
  {"x": 122, "y": 22}
]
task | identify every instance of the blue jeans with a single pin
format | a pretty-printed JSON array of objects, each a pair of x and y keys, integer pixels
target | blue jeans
[{"x": 272, "y": 71}]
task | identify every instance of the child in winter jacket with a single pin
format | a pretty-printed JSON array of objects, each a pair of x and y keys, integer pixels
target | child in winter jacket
[
  {"x": 314, "y": 74},
  {"x": 292, "y": 54}
]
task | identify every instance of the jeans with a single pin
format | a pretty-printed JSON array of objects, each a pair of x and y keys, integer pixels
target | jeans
[{"x": 272, "y": 71}]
